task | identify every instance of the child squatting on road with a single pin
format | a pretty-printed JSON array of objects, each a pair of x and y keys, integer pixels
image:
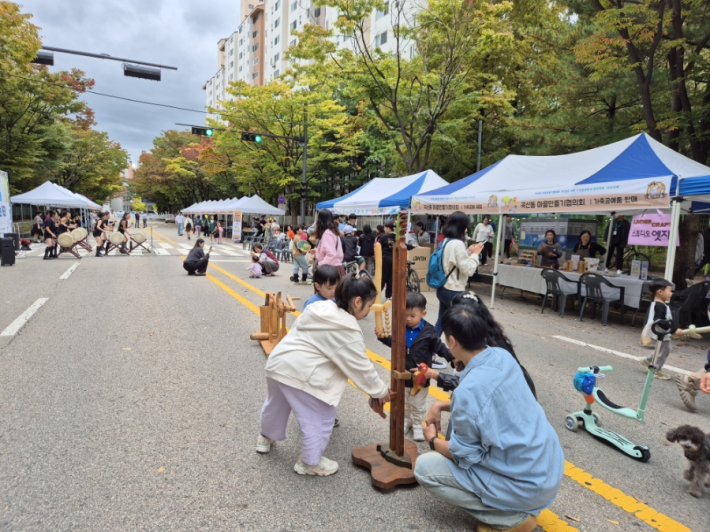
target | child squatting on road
[
  {"x": 422, "y": 343},
  {"x": 503, "y": 463},
  {"x": 662, "y": 291},
  {"x": 308, "y": 371}
]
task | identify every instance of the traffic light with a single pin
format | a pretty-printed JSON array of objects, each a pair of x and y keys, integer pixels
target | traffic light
[
  {"x": 304, "y": 191},
  {"x": 202, "y": 131},
  {"x": 251, "y": 137}
]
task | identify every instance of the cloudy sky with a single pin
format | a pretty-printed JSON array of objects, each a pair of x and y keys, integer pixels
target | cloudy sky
[{"x": 180, "y": 33}]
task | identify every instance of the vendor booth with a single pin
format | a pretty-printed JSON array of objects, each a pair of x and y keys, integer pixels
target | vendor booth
[
  {"x": 382, "y": 196},
  {"x": 629, "y": 176},
  {"x": 52, "y": 195}
]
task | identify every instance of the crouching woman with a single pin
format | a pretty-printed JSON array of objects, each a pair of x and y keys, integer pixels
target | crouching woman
[
  {"x": 503, "y": 463},
  {"x": 197, "y": 260},
  {"x": 308, "y": 371}
]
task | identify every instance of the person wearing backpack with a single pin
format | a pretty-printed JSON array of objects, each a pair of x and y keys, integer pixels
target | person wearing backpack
[{"x": 452, "y": 264}]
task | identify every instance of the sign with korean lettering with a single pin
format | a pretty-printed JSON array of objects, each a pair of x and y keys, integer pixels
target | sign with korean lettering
[
  {"x": 651, "y": 230},
  {"x": 5, "y": 208},
  {"x": 236, "y": 226},
  {"x": 594, "y": 197}
]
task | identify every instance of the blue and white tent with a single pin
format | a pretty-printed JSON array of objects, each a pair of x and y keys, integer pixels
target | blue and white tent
[
  {"x": 384, "y": 195},
  {"x": 634, "y": 174}
]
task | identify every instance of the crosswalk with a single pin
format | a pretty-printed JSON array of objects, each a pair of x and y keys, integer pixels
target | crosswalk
[{"x": 230, "y": 252}]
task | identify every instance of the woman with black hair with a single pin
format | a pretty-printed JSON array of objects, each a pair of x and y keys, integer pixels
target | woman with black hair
[
  {"x": 503, "y": 463},
  {"x": 50, "y": 235},
  {"x": 123, "y": 229},
  {"x": 37, "y": 226},
  {"x": 459, "y": 263},
  {"x": 330, "y": 249},
  {"x": 100, "y": 229},
  {"x": 367, "y": 249},
  {"x": 387, "y": 241},
  {"x": 550, "y": 250},
  {"x": 586, "y": 248},
  {"x": 197, "y": 260},
  {"x": 308, "y": 371}
]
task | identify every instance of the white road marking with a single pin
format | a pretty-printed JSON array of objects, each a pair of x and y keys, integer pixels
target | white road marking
[
  {"x": 224, "y": 251},
  {"x": 166, "y": 245},
  {"x": 71, "y": 269},
  {"x": 617, "y": 353},
  {"x": 161, "y": 251},
  {"x": 230, "y": 260},
  {"x": 23, "y": 318}
]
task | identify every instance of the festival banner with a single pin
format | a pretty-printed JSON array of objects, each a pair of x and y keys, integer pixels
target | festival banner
[
  {"x": 237, "y": 226},
  {"x": 651, "y": 230},
  {"x": 366, "y": 212},
  {"x": 616, "y": 196},
  {"x": 5, "y": 208}
]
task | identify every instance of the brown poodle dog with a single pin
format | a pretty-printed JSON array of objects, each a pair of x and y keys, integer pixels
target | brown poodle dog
[{"x": 696, "y": 447}]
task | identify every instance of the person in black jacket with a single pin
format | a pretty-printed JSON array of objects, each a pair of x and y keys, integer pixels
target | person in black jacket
[
  {"x": 197, "y": 260},
  {"x": 586, "y": 248},
  {"x": 422, "y": 343},
  {"x": 618, "y": 241},
  {"x": 367, "y": 249}
]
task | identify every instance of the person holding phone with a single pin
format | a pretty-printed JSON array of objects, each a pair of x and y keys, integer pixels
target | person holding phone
[{"x": 197, "y": 260}]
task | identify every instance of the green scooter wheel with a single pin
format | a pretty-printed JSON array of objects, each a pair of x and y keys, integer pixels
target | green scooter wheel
[
  {"x": 571, "y": 423},
  {"x": 645, "y": 454}
]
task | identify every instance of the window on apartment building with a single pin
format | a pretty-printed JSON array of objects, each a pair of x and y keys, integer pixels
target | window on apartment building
[
  {"x": 277, "y": 23},
  {"x": 255, "y": 47},
  {"x": 316, "y": 12},
  {"x": 256, "y": 60},
  {"x": 255, "y": 19},
  {"x": 294, "y": 6},
  {"x": 276, "y": 73},
  {"x": 240, "y": 69},
  {"x": 255, "y": 75},
  {"x": 251, "y": 6},
  {"x": 231, "y": 77},
  {"x": 241, "y": 28},
  {"x": 231, "y": 52},
  {"x": 231, "y": 39},
  {"x": 293, "y": 25},
  {"x": 231, "y": 64},
  {"x": 293, "y": 42},
  {"x": 255, "y": 33},
  {"x": 277, "y": 40},
  {"x": 381, "y": 39},
  {"x": 276, "y": 57},
  {"x": 381, "y": 14},
  {"x": 299, "y": 20},
  {"x": 210, "y": 93}
]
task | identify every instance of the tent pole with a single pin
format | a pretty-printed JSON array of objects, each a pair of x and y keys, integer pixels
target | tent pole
[
  {"x": 501, "y": 230},
  {"x": 608, "y": 240},
  {"x": 673, "y": 237}
]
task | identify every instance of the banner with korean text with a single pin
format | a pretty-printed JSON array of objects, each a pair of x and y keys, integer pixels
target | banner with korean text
[
  {"x": 5, "y": 208},
  {"x": 237, "y": 226},
  {"x": 651, "y": 230},
  {"x": 596, "y": 197}
]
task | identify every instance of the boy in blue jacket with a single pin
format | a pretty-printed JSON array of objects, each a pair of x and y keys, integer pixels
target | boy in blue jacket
[{"x": 422, "y": 343}]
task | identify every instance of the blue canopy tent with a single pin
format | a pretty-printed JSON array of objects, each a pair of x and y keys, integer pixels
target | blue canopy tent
[
  {"x": 382, "y": 196},
  {"x": 629, "y": 176}
]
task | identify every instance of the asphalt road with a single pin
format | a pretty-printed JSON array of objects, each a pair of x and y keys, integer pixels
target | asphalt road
[{"x": 130, "y": 401}]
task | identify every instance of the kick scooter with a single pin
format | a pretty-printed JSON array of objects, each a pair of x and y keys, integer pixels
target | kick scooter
[{"x": 585, "y": 381}]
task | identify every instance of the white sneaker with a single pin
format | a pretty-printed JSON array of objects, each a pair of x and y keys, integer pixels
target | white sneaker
[
  {"x": 439, "y": 363},
  {"x": 324, "y": 468},
  {"x": 263, "y": 444},
  {"x": 407, "y": 425},
  {"x": 418, "y": 433}
]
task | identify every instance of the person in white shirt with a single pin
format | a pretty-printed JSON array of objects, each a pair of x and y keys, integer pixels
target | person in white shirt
[
  {"x": 179, "y": 221},
  {"x": 484, "y": 233},
  {"x": 459, "y": 263}
]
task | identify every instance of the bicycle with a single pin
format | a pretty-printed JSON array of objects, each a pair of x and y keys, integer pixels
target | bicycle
[
  {"x": 353, "y": 267},
  {"x": 412, "y": 278},
  {"x": 631, "y": 255}
]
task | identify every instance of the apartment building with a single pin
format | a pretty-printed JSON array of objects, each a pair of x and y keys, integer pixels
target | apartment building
[{"x": 256, "y": 51}]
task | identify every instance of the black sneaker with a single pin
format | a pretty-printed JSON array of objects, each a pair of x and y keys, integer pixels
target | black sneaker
[
  {"x": 201, "y": 274},
  {"x": 336, "y": 423}
]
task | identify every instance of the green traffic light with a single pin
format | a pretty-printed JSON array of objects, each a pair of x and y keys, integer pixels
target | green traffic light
[
  {"x": 257, "y": 138},
  {"x": 209, "y": 132}
]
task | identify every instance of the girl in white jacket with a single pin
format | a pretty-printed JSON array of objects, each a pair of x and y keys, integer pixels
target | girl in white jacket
[{"x": 308, "y": 371}]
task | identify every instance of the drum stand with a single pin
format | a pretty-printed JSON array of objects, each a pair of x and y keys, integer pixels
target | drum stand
[
  {"x": 135, "y": 244},
  {"x": 273, "y": 321}
]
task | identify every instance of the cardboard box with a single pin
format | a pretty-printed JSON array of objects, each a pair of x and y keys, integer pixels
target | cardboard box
[
  {"x": 423, "y": 287},
  {"x": 420, "y": 257}
]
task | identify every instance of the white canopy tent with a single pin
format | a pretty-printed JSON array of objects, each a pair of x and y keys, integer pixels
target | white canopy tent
[
  {"x": 629, "y": 176},
  {"x": 52, "y": 195},
  {"x": 256, "y": 205}
]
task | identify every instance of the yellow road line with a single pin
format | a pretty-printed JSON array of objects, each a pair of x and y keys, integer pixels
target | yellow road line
[{"x": 548, "y": 520}]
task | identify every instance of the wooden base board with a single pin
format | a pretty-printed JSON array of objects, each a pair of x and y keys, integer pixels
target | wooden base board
[
  {"x": 267, "y": 346},
  {"x": 385, "y": 475}
]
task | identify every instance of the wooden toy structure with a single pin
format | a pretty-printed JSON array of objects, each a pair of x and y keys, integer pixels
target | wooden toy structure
[
  {"x": 392, "y": 463},
  {"x": 273, "y": 321}
]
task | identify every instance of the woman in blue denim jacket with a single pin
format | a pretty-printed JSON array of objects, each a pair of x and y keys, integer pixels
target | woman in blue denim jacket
[{"x": 503, "y": 463}]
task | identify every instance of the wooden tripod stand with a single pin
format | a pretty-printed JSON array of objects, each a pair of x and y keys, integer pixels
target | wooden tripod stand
[
  {"x": 273, "y": 321},
  {"x": 392, "y": 463}
]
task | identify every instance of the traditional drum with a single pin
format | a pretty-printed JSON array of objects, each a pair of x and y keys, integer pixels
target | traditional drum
[
  {"x": 116, "y": 238},
  {"x": 67, "y": 243},
  {"x": 80, "y": 236},
  {"x": 137, "y": 240}
]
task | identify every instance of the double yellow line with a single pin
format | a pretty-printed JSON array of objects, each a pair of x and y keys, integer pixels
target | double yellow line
[{"x": 548, "y": 520}]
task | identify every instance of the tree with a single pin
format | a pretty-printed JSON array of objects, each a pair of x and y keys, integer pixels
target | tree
[{"x": 440, "y": 56}]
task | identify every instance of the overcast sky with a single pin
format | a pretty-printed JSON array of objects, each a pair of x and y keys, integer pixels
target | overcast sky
[{"x": 179, "y": 33}]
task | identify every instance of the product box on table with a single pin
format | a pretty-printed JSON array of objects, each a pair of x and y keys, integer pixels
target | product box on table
[{"x": 420, "y": 257}]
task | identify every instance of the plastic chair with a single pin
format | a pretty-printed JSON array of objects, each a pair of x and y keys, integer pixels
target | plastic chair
[
  {"x": 552, "y": 279},
  {"x": 592, "y": 283},
  {"x": 685, "y": 304}
]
